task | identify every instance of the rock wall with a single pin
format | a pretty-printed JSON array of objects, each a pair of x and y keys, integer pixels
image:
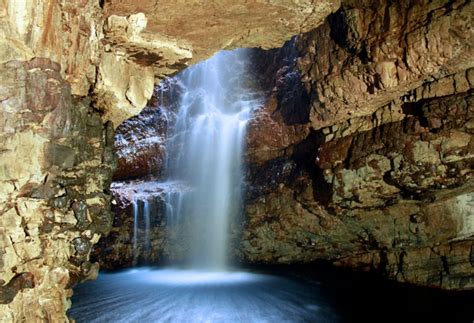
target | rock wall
[
  {"x": 71, "y": 72},
  {"x": 376, "y": 172},
  {"x": 123, "y": 247},
  {"x": 140, "y": 145},
  {"x": 140, "y": 142},
  {"x": 140, "y": 48},
  {"x": 370, "y": 53},
  {"x": 55, "y": 170}
]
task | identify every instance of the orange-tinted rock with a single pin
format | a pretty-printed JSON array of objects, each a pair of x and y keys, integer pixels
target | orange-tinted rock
[{"x": 370, "y": 53}]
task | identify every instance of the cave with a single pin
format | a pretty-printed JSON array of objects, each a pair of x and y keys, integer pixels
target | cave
[{"x": 267, "y": 161}]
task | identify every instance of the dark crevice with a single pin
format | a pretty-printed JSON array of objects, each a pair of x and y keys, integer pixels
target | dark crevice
[
  {"x": 364, "y": 56},
  {"x": 305, "y": 156},
  {"x": 340, "y": 30},
  {"x": 401, "y": 263},
  {"x": 416, "y": 109},
  {"x": 444, "y": 260}
]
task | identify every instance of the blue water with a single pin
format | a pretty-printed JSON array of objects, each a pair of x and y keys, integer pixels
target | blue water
[{"x": 173, "y": 295}]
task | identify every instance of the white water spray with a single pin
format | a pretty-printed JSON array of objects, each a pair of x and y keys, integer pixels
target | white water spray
[{"x": 205, "y": 152}]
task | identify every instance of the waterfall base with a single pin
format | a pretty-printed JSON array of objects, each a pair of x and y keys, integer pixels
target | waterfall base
[
  {"x": 145, "y": 295},
  {"x": 172, "y": 295}
]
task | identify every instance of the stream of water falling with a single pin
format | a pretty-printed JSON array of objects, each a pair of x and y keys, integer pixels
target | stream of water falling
[
  {"x": 141, "y": 221},
  {"x": 205, "y": 151}
]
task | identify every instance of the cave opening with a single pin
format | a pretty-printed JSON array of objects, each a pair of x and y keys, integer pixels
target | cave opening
[{"x": 181, "y": 215}]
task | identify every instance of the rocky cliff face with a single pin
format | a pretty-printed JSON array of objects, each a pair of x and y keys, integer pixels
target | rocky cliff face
[
  {"x": 376, "y": 172},
  {"x": 56, "y": 167},
  {"x": 69, "y": 68}
]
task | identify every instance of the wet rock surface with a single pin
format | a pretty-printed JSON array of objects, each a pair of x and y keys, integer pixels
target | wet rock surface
[
  {"x": 140, "y": 142},
  {"x": 131, "y": 242},
  {"x": 118, "y": 249},
  {"x": 149, "y": 40}
]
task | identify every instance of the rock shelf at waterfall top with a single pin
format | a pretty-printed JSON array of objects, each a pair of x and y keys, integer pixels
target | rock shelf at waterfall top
[{"x": 148, "y": 188}]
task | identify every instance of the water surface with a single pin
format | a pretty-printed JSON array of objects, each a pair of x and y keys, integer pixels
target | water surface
[{"x": 173, "y": 295}]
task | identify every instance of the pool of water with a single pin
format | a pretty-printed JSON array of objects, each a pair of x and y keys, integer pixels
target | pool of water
[
  {"x": 171, "y": 295},
  {"x": 174, "y": 295}
]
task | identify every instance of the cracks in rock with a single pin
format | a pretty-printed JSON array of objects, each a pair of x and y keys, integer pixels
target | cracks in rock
[
  {"x": 471, "y": 256},
  {"x": 384, "y": 264},
  {"x": 445, "y": 263},
  {"x": 305, "y": 155},
  {"x": 401, "y": 264},
  {"x": 368, "y": 239},
  {"x": 17, "y": 283},
  {"x": 444, "y": 270}
]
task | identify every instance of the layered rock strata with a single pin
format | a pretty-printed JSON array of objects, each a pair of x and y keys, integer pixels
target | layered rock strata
[
  {"x": 148, "y": 40},
  {"x": 376, "y": 172},
  {"x": 125, "y": 246}
]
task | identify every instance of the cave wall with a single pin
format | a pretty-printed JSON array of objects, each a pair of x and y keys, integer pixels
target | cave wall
[
  {"x": 56, "y": 166},
  {"x": 373, "y": 170},
  {"x": 56, "y": 156},
  {"x": 148, "y": 40},
  {"x": 72, "y": 71},
  {"x": 370, "y": 164}
]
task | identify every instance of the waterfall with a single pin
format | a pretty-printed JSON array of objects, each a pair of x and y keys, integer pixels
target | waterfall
[
  {"x": 205, "y": 150},
  {"x": 135, "y": 229},
  {"x": 141, "y": 221},
  {"x": 146, "y": 219}
]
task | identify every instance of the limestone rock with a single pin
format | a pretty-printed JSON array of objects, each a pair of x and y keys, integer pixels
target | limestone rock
[
  {"x": 56, "y": 154},
  {"x": 124, "y": 86},
  {"x": 386, "y": 90},
  {"x": 382, "y": 177},
  {"x": 351, "y": 70},
  {"x": 148, "y": 40},
  {"x": 66, "y": 32},
  {"x": 121, "y": 248},
  {"x": 140, "y": 142},
  {"x": 211, "y": 26}
]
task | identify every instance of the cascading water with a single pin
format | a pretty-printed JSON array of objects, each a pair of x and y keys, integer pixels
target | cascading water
[
  {"x": 205, "y": 151},
  {"x": 141, "y": 221},
  {"x": 146, "y": 219},
  {"x": 203, "y": 191},
  {"x": 135, "y": 229}
]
